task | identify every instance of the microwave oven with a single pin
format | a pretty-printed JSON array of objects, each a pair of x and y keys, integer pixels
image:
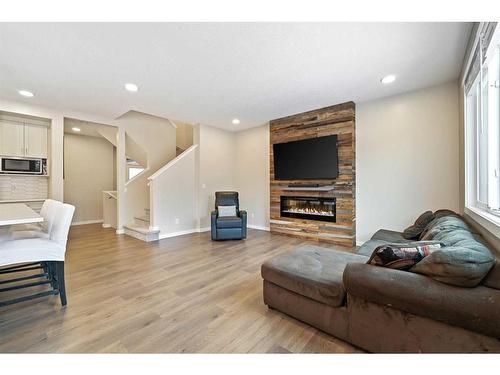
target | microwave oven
[{"x": 17, "y": 165}]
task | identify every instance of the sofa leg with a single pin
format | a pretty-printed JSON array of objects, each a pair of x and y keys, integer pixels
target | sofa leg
[{"x": 59, "y": 266}]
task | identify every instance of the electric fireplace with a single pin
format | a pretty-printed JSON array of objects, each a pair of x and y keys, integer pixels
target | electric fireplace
[{"x": 311, "y": 208}]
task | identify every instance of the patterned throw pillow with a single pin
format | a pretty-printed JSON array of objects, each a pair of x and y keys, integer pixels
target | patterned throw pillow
[
  {"x": 402, "y": 256},
  {"x": 226, "y": 211}
]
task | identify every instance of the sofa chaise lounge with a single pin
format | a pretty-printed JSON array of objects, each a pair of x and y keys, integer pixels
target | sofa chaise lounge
[{"x": 386, "y": 310}]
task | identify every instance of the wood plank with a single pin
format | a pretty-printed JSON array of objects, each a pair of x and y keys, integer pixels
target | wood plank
[{"x": 183, "y": 294}]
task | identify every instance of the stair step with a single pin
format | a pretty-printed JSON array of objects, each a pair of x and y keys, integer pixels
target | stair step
[
  {"x": 140, "y": 229},
  {"x": 144, "y": 218},
  {"x": 141, "y": 233}
]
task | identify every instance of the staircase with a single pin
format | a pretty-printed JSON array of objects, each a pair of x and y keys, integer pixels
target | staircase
[
  {"x": 145, "y": 227},
  {"x": 141, "y": 229}
]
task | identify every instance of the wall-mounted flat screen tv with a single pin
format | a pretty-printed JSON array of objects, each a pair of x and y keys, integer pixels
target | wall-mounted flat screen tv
[{"x": 308, "y": 159}]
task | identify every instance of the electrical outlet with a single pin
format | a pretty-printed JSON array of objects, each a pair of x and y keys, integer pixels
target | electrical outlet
[
  {"x": 203, "y": 186},
  {"x": 177, "y": 221},
  {"x": 252, "y": 215}
]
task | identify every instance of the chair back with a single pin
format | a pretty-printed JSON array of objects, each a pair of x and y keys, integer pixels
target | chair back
[
  {"x": 227, "y": 198},
  {"x": 61, "y": 224},
  {"x": 48, "y": 212}
]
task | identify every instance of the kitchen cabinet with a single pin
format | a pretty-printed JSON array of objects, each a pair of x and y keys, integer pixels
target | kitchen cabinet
[
  {"x": 35, "y": 141},
  {"x": 11, "y": 139},
  {"x": 23, "y": 140}
]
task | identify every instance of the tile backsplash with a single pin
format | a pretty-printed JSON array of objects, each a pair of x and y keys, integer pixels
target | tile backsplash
[{"x": 23, "y": 187}]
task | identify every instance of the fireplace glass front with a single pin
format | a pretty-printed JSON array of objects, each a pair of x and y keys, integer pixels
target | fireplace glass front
[{"x": 311, "y": 208}]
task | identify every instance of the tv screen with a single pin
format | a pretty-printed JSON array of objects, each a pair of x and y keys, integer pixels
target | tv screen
[{"x": 308, "y": 159}]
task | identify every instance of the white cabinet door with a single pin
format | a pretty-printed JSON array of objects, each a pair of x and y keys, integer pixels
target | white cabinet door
[
  {"x": 35, "y": 141},
  {"x": 11, "y": 139}
]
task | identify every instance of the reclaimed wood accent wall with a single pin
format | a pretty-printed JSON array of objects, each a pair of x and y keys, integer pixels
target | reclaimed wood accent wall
[{"x": 338, "y": 119}]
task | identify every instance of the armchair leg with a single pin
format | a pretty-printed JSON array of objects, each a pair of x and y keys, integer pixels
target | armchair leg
[{"x": 59, "y": 271}]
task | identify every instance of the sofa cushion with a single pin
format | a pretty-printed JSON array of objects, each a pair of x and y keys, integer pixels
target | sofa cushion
[
  {"x": 313, "y": 272},
  {"x": 389, "y": 236},
  {"x": 444, "y": 225},
  {"x": 492, "y": 279},
  {"x": 381, "y": 237},
  {"x": 413, "y": 232},
  {"x": 475, "y": 309},
  {"x": 229, "y": 222},
  {"x": 464, "y": 261}
]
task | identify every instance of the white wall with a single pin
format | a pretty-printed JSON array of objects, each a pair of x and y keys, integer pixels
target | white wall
[
  {"x": 251, "y": 172},
  {"x": 184, "y": 135},
  {"x": 216, "y": 167},
  {"x": 174, "y": 208},
  {"x": 406, "y": 158},
  {"x": 88, "y": 170}
]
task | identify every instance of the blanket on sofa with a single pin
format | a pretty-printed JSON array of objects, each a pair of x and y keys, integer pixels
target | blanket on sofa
[{"x": 463, "y": 261}]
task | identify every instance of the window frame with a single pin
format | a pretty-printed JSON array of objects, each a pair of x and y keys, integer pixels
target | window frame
[{"x": 490, "y": 209}]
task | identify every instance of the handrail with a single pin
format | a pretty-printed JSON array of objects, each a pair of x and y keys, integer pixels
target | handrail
[
  {"x": 172, "y": 123},
  {"x": 171, "y": 162},
  {"x": 111, "y": 193}
]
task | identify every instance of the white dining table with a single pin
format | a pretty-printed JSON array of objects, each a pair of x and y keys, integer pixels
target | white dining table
[{"x": 18, "y": 213}]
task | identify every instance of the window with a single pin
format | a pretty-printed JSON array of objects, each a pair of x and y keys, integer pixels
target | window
[
  {"x": 482, "y": 128},
  {"x": 134, "y": 171}
]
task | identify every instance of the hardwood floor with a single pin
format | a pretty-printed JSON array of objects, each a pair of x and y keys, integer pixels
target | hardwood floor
[{"x": 184, "y": 294}]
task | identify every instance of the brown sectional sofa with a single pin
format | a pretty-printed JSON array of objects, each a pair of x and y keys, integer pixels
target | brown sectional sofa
[{"x": 380, "y": 309}]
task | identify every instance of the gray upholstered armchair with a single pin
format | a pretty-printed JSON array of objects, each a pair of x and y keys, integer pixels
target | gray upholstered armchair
[{"x": 228, "y": 227}]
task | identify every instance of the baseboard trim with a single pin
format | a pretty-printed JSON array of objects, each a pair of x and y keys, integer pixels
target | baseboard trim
[
  {"x": 183, "y": 232},
  {"x": 84, "y": 222},
  {"x": 106, "y": 225},
  {"x": 259, "y": 227},
  {"x": 175, "y": 234},
  {"x": 120, "y": 231},
  {"x": 201, "y": 230}
]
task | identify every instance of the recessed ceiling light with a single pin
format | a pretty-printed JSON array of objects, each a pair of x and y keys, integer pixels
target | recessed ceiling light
[
  {"x": 235, "y": 121},
  {"x": 388, "y": 79},
  {"x": 26, "y": 93},
  {"x": 131, "y": 87},
  {"x": 76, "y": 129}
]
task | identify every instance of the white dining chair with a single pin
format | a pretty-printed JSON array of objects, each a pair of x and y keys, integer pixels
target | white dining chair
[
  {"x": 48, "y": 212},
  {"x": 48, "y": 254}
]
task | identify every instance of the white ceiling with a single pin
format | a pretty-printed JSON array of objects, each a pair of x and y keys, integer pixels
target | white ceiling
[{"x": 210, "y": 73}]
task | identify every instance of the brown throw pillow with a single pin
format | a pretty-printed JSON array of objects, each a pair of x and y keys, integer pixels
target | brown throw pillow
[
  {"x": 401, "y": 256},
  {"x": 413, "y": 232}
]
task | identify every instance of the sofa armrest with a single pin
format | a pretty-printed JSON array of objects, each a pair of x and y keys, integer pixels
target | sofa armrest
[
  {"x": 475, "y": 309},
  {"x": 243, "y": 215},
  {"x": 213, "y": 224}
]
